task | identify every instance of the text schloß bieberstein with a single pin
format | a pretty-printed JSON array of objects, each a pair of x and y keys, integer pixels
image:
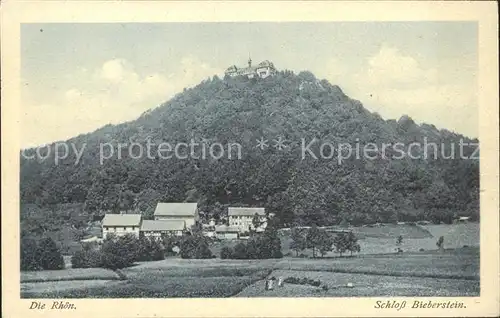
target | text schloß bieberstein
[{"x": 418, "y": 304}]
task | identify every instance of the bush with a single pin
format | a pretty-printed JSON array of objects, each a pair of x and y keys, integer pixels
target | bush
[
  {"x": 86, "y": 259},
  {"x": 195, "y": 247},
  {"x": 226, "y": 252},
  {"x": 29, "y": 251},
  {"x": 150, "y": 249},
  {"x": 48, "y": 255},
  {"x": 119, "y": 252},
  {"x": 240, "y": 251},
  {"x": 79, "y": 260}
]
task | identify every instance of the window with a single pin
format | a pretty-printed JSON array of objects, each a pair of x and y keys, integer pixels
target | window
[{"x": 124, "y": 228}]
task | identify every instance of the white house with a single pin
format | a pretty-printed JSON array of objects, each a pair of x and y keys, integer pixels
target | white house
[
  {"x": 153, "y": 228},
  {"x": 225, "y": 232},
  {"x": 242, "y": 218},
  {"x": 121, "y": 224},
  {"x": 187, "y": 212}
]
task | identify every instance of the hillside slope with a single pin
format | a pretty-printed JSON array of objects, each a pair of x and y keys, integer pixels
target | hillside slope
[{"x": 299, "y": 190}]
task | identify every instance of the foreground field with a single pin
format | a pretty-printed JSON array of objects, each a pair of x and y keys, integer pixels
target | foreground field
[
  {"x": 69, "y": 274},
  {"x": 363, "y": 286},
  {"x": 452, "y": 273}
]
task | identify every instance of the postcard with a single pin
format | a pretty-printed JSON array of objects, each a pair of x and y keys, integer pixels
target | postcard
[{"x": 250, "y": 159}]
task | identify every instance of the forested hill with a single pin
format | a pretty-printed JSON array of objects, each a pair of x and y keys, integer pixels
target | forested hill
[{"x": 299, "y": 190}]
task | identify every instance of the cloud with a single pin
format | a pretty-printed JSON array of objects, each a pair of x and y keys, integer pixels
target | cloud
[
  {"x": 392, "y": 84},
  {"x": 113, "y": 93},
  {"x": 117, "y": 71},
  {"x": 390, "y": 67}
]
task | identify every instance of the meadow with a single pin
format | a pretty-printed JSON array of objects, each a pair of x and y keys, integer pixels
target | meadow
[{"x": 453, "y": 272}]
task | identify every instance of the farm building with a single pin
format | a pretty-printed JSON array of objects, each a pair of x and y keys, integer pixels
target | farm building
[
  {"x": 242, "y": 218},
  {"x": 150, "y": 228},
  {"x": 225, "y": 232},
  {"x": 187, "y": 212},
  {"x": 121, "y": 224}
]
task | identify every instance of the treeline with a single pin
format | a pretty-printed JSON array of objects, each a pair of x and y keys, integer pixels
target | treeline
[
  {"x": 124, "y": 251},
  {"x": 305, "y": 192},
  {"x": 259, "y": 246},
  {"x": 44, "y": 255},
  {"x": 322, "y": 242}
]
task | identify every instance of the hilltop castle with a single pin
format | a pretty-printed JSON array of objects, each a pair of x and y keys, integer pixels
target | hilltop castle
[{"x": 262, "y": 70}]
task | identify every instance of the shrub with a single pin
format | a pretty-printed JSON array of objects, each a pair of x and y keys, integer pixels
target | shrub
[
  {"x": 195, "y": 247},
  {"x": 29, "y": 251},
  {"x": 260, "y": 246},
  {"x": 86, "y": 259},
  {"x": 240, "y": 251},
  {"x": 150, "y": 249},
  {"x": 48, "y": 255},
  {"x": 119, "y": 252},
  {"x": 226, "y": 252}
]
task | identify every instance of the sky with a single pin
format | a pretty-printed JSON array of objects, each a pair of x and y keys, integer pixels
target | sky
[{"x": 76, "y": 78}]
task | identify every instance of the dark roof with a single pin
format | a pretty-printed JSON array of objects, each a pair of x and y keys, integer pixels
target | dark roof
[
  {"x": 121, "y": 220},
  {"x": 176, "y": 209}
]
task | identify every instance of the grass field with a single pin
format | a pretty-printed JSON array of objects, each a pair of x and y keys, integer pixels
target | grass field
[
  {"x": 363, "y": 286},
  {"x": 382, "y": 240},
  {"x": 68, "y": 274},
  {"x": 451, "y": 273},
  {"x": 459, "y": 263}
]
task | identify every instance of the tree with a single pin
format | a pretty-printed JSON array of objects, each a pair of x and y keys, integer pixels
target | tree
[
  {"x": 119, "y": 252},
  {"x": 399, "y": 240},
  {"x": 49, "y": 256},
  {"x": 352, "y": 243},
  {"x": 440, "y": 243},
  {"x": 168, "y": 243},
  {"x": 226, "y": 252},
  {"x": 256, "y": 222},
  {"x": 313, "y": 239},
  {"x": 325, "y": 243},
  {"x": 196, "y": 228},
  {"x": 87, "y": 258},
  {"x": 298, "y": 242},
  {"x": 195, "y": 246},
  {"x": 150, "y": 249},
  {"x": 341, "y": 244},
  {"x": 240, "y": 251},
  {"x": 29, "y": 260}
]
